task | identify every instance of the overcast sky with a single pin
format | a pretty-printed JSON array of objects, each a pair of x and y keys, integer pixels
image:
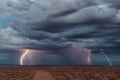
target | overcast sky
[{"x": 59, "y": 25}]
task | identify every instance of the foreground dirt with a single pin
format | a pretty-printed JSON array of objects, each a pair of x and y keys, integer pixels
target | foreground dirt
[
  {"x": 59, "y": 73},
  {"x": 42, "y": 75}
]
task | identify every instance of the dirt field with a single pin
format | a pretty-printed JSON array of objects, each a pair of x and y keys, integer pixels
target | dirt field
[{"x": 59, "y": 73}]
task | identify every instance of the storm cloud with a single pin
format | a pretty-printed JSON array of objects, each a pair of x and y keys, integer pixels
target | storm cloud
[
  {"x": 61, "y": 23},
  {"x": 58, "y": 25}
]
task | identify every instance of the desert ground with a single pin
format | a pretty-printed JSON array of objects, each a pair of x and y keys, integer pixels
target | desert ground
[{"x": 59, "y": 73}]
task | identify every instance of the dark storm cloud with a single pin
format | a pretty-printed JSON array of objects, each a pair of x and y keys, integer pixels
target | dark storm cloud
[
  {"x": 11, "y": 51},
  {"x": 58, "y": 24},
  {"x": 61, "y": 27}
]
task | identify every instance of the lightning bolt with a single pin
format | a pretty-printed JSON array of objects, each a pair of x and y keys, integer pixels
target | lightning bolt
[
  {"x": 23, "y": 56},
  {"x": 89, "y": 56},
  {"x": 108, "y": 59}
]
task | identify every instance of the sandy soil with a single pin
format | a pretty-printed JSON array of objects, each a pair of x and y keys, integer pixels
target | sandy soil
[
  {"x": 59, "y": 73},
  {"x": 42, "y": 75}
]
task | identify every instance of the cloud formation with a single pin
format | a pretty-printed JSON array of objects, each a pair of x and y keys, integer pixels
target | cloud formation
[
  {"x": 54, "y": 24},
  {"x": 65, "y": 28}
]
